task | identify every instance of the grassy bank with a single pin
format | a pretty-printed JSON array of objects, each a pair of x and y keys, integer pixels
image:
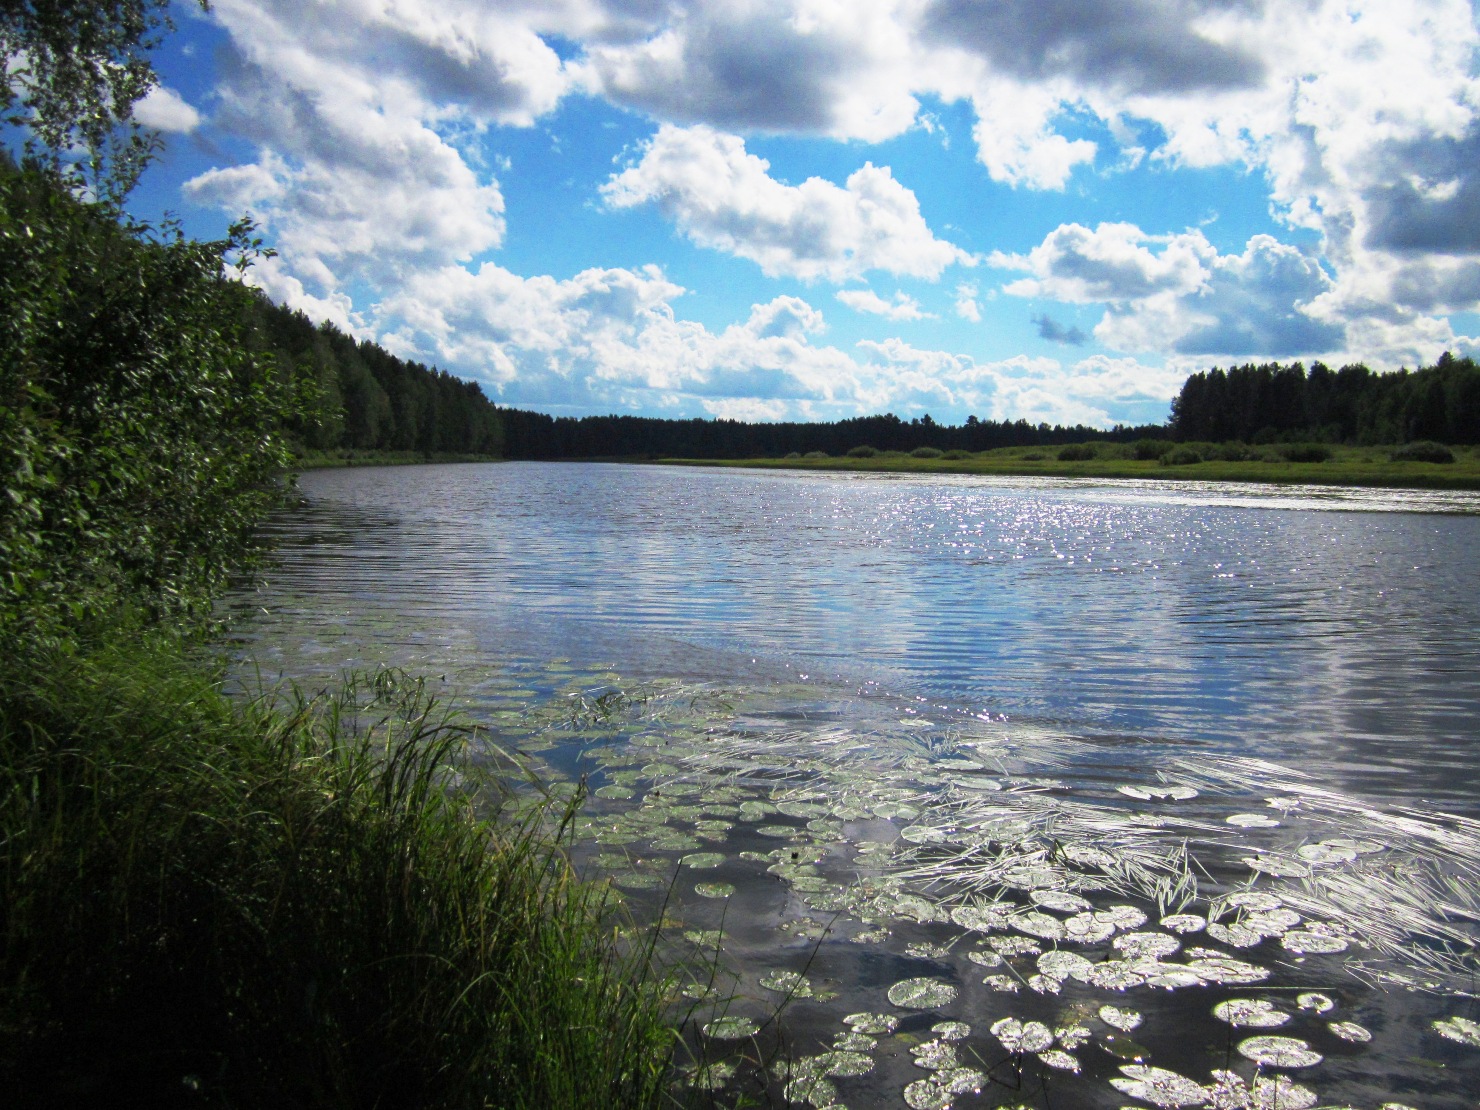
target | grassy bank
[
  {"x": 287, "y": 904},
  {"x": 1346, "y": 466},
  {"x": 345, "y": 456}
]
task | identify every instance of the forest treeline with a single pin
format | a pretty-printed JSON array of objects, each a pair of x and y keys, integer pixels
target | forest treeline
[
  {"x": 355, "y": 395},
  {"x": 1270, "y": 403}
]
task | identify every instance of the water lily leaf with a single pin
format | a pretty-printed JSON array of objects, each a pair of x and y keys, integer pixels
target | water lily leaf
[
  {"x": 951, "y": 1030},
  {"x": 1087, "y": 928},
  {"x": 638, "y": 880},
  {"x": 1269, "y": 1092},
  {"x": 1314, "y": 1000},
  {"x": 1272, "y": 923},
  {"x": 961, "y": 1081},
  {"x": 1307, "y": 942},
  {"x": 1215, "y": 967},
  {"x": 1022, "y": 1036},
  {"x": 1115, "y": 975},
  {"x": 1252, "y": 821},
  {"x": 1122, "y": 917},
  {"x": 1171, "y": 977},
  {"x": 1060, "y": 900},
  {"x": 1058, "y": 1058},
  {"x": 1013, "y": 946},
  {"x": 702, "y": 860},
  {"x": 865, "y": 1022},
  {"x": 1235, "y": 936},
  {"x": 1459, "y": 1029},
  {"x": 1350, "y": 1031},
  {"x": 1140, "y": 945},
  {"x": 921, "y": 994},
  {"x": 1064, "y": 965},
  {"x": 984, "y": 958},
  {"x": 788, "y": 982},
  {"x": 712, "y": 1077},
  {"x": 983, "y": 919},
  {"x": 1159, "y": 1086},
  {"x": 1038, "y": 924},
  {"x": 1277, "y": 866},
  {"x": 926, "y": 1094},
  {"x": 1184, "y": 922},
  {"x": 1045, "y": 984},
  {"x": 813, "y": 1090},
  {"x": 925, "y": 950},
  {"x": 1250, "y": 1013},
  {"x": 778, "y": 830},
  {"x": 924, "y": 834},
  {"x": 1279, "y": 1052},
  {"x": 1327, "y": 852},
  {"x": 1005, "y": 983},
  {"x": 1123, "y": 1048},
  {"x": 935, "y": 1056},
  {"x": 1124, "y": 1020},
  {"x": 731, "y": 1028},
  {"x": 714, "y": 890}
]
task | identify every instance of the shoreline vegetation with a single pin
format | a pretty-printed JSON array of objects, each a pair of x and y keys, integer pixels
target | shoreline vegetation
[
  {"x": 209, "y": 899},
  {"x": 1341, "y": 466}
]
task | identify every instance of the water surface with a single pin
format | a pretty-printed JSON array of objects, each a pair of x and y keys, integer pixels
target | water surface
[{"x": 945, "y": 684}]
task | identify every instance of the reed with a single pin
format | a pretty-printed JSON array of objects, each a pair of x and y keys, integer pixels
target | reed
[{"x": 304, "y": 900}]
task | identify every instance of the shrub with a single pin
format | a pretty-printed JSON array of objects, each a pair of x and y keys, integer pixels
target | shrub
[
  {"x": 926, "y": 453},
  {"x": 1183, "y": 455},
  {"x": 792, "y": 455},
  {"x": 862, "y": 451},
  {"x": 1305, "y": 452},
  {"x": 1077, "y": 452},
  {"x": 1147, "y": 449},
  {"x": 1422, "y": 450},
  {"x": 815, "y": 455},
  {"x": 1232, "y": 451},
  {"x": 956, "y": 453}
]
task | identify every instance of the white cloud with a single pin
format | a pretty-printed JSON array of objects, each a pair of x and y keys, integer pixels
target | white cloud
[
  {"x": 722, "y": 198},
  {"x": 163, "y": 109},
  {"x": 902, "y": 307},
  {"x": 1175, "y": 294},
  {"x": 966, "y": 306}
]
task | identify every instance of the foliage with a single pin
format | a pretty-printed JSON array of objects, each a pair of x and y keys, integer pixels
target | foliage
[
  {"x": 1077, "y": 452},
  {"x": 286, "y": 904},
  {"x": 1423, "y": 451},
  {"x": 71, "y": 71},
  {"x": 1271, "y": 403},
  {"x": 1305, "y": 452},
  {"x": 138, "y": 435},
  {"x": 358, "y": 396},
  {"x": 1149, "y": 449},
  {"x": 927, "y": 452},
  {"x": 862, "y": 451},
  {"x": 1182, "y": 455}
]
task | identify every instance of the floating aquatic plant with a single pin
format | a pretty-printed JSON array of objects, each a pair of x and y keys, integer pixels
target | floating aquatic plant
[{"x": 921, "y": 994}]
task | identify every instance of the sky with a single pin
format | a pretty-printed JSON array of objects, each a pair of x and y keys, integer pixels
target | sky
[{"x": 1051, "y": 210}]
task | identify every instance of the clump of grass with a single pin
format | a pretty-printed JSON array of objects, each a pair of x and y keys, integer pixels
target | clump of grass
[
  {"x": 1422, "y": 451},
  {"x": 289, "y": 903}
]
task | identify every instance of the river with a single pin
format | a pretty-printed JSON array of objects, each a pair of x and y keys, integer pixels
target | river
[{"x": 927, "y": 748}]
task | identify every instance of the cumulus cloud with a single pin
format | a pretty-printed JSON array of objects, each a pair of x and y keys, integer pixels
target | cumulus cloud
[
  {"x": 723, "y": 198},
  {"x": 1176, "y": 294},
  {"x": 902, "y": 307},
  {"x": 966, "y": 306},
  {"x": 163, "y": 109},
  {"x": 1055, "y": 332}
]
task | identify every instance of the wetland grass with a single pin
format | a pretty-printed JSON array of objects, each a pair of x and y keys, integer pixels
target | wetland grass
[
  {"x": 1287, "y": 464},
  {"x": 291, "y": 902}
]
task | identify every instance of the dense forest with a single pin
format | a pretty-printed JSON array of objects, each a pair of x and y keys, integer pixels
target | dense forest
[
  {"x": 1271, "y": 402},
  {"x": 355, "y": 394}
]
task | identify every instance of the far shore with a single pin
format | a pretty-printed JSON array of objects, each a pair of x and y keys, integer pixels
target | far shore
[{"x": 1348, "y": 466}]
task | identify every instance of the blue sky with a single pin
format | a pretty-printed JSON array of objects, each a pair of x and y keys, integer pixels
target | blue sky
[{"x": 811, "y": 209}]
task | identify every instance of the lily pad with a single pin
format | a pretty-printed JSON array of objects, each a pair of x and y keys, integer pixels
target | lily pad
[
  {"x": 1159, "y": 1086},
  {"x": 951, "y": 1030},
  {"x": 702, "y": 860},
  {"x": 1311, "y": 943},
  {"x": 1314, "y": 1000},
  {"x": 1459, "y": 1029},
  {"x": 865, "y": 1022},
  {"x": 731, "y": 1028},
  {"x": 1252, "y": 821},
  {"x": 714, "y": 890},
  {"x": 1124, "y": 1020},
  {"x": 1250, "y": 1013},
  {"x": 1022, "y": 1036},
  {"x": 921, "y": 994},
  {"x": 1350, "y": 1031},
  {"x": 1279, "y": 1052},
  {"x": 1184, "y": 922}
]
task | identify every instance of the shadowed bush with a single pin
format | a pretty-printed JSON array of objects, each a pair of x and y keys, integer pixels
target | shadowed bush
[
  {"x": 926, "y": 453},
  {"x": 815, "y": 455},
  {"x": 1305, "y": 452},
  {"x": 862, "y": 451},
  {"x": 1182, "y": 455},
  {"x": 1422, "y": 451},
  {"x": 288, "y": 906},
  {"x": 1077, "y": 452},
  {"x": 1148, "y": 449}
]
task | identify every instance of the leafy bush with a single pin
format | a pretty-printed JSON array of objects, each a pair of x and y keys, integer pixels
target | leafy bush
[
  {"x": 792, "y": 455},
  {"x": 1182, "y": 455},
  {"x": 863, "y": 451},
  {"x": 926, "y": 453},
  {"x": 1305, "y": 452},
  {"x": 1077, "y": 452},
  {"x": 1232, "y": 451},
  {"x": 1422, "y": 450},
  {"x": 138, "y": 438},
  {"x": 1147, "y": 449},
  {"x": 815, "y": 455}
]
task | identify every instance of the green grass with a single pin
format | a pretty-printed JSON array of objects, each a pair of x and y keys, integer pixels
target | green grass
[
  {"x": 289, "y": 903},
  {"x": 1348, "y": 466}
]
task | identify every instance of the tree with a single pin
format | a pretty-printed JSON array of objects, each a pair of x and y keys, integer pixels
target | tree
[{"x": 71, "y": 72}]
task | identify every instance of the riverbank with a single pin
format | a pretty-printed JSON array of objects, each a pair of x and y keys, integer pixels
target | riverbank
[
  {"x": 342, "y": 457},
  {"x": 1346, "y": 466},
  {"x": 289, "y": 901}
]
